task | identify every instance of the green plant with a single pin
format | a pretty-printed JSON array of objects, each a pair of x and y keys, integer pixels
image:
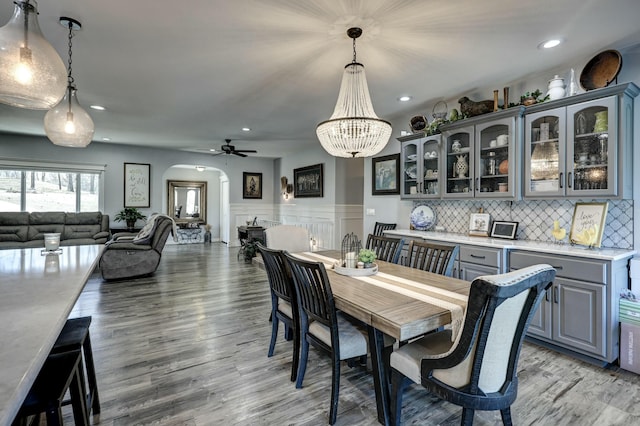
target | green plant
[
  {"x": 250, "y": 250},
  {"x": 536, "y": 95},
  {"x": 129, "y": 214},
  {"x": 366, "y": 256}
]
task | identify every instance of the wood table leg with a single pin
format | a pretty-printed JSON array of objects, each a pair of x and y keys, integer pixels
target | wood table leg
[{"x": 380, "y": 376}]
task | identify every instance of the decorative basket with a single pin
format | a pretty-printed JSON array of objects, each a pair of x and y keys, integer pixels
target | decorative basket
[
  {"x": 418, "y": 123},
  {"x": 440, "y": 110},
  {"x": 354, "y": 272}
]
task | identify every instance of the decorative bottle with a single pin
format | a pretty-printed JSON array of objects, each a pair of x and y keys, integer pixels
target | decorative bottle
[{"x": 574, "y": 88}]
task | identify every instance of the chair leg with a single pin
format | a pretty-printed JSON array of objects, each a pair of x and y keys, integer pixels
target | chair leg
[
  {"x": 398, "y": 384},
  {"x": 91, "y": 377},
  {"x": 302, "y": 367},
  {"x": 288, "y": 332},
  {"x": 467, "y": 417},
  {"x": 78, "y": 398},
  {"x": 274, "y": 334},
  {"x": 335, "y": 390},
  {"x": 506, "y": 416},
  {"x": 296, "y": 354}
]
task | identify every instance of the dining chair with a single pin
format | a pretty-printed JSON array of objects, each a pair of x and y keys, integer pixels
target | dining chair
[
  {"x": 386, "y": 248},
  {"x": 284, "y": 305},
  {"x": 380, "y": 227},
  {"x": 431, "y": 257},
  {"x": 287, "y": 237},
  {"x": 322, "y": 326},
  {"x": 477, "y": 369}
]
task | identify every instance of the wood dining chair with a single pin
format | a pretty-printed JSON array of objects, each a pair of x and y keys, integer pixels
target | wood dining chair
[
  {"x": 386, "y": 248},
  {"x": 284, "y": 304},
  {"x": 380, "y": 227},
  {"x": 431, "y": 257},
  {"x": 477, "y": 369},
  {"x": 322, "y": 326}
]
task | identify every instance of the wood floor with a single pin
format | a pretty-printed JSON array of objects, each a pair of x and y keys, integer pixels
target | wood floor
[{"x": 188, "y": 346}]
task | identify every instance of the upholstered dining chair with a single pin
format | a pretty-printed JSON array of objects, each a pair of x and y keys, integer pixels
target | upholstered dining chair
[
  {"x": 386, "y": 248},
  {"x": 380, "y": 227},
  {"x": 478, "y": 369},
  {"x": 287, "y": 237},
  {"x": 322, "y": 326},
  {"x": 284, "y": 305},
  {"x": 431, "y": 257}
]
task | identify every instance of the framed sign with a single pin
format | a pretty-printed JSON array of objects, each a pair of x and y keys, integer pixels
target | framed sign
[
  {"x": 385, "y": 175},
  {"x": 137, "y": 185},
  {"x": 251, "y": 185},
  {"x": 588, "y": 223},
  {"x": 308, "y": 181},
  {"x": 479, "y": 224},
  {"x": 506, "y": 230}
]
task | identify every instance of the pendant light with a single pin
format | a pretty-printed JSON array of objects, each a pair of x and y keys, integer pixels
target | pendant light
[
  {"x": 354, "y": 129},
  {"x": 68, "y": 124},
  {"x": 32, "y": 74}
]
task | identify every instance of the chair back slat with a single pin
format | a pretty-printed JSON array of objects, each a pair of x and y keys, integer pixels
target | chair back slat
[
  {"x": 430, "y": 257},
  {"x": 386, "y": 248},
  {"x": 380, "y": 227},
  {"x": 278, "y": 274}
]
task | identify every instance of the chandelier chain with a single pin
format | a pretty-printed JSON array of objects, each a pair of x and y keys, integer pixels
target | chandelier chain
[
  {"x": 354, "y": 51},
  {"x": 69, "y": 76}
]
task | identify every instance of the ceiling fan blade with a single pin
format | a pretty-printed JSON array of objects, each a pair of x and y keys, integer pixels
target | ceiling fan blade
[
  {"x": 239, "y": 154},
  {"x": 215, "y": 154},
  {"x": 246, "y": 150}
]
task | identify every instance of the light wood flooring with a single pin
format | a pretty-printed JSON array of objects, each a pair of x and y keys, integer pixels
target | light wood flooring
[{"x": 188, "y": 346}]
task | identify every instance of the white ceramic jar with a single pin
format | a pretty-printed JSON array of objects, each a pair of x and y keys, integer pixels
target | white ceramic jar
[{"x": 556, "y": 88}]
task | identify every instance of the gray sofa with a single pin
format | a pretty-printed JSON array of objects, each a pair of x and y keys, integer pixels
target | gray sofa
[{"x": 25, "y": 230}]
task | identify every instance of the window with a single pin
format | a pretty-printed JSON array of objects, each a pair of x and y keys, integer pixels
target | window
[{"x": 41, "y": 188}]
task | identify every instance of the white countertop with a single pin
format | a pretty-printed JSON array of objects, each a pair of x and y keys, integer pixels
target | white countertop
[
  {"x": 535, "y": 246},
  {"x": 37, "y": 292}
]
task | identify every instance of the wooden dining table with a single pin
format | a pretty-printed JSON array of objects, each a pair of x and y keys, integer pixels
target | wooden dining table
[
  {"x": 398, "y": 301},
  {"x": 37, "y": 292}
]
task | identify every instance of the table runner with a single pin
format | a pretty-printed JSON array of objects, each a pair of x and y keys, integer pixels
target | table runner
[{"x": 453, "y": 302}]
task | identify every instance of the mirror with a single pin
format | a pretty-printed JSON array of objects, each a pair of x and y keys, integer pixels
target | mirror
[{"x": 187, "y": 201}]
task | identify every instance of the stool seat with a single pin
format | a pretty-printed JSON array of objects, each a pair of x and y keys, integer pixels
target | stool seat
[
  {"x": 75, "y": 336},
  {"x": 60, "y": 372}
]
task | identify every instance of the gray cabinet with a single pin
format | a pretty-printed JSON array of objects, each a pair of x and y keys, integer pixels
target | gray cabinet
[
  {"x": 420, "y": 164},
  {"x": 580, "y": 311},
  {"x": 477, "y": 261}
]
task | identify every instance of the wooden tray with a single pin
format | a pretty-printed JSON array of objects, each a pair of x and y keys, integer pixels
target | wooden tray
[
  {"x": 601, "y": 70},
  {"x": 354, "y": 272}
]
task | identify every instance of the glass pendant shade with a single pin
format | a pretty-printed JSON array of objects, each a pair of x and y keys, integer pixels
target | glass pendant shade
[
  {"x": 68, "y": 124},
  {"x": 32, "y": 74},
  {"x": 354, "y": 129}
]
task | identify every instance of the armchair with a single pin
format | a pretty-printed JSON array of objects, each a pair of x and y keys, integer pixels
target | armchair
[{"x": 130, "y": 255}]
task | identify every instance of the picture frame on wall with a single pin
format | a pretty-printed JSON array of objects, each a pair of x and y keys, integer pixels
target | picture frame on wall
[
  {"x": 137, "y": 185},
  {"x": 385, "y": 175},
  {"x": 587, "y": 224},
  {"x": 479, "y": 224},
  {"x": 251, "y": 185},
  {"x": 308, "y": 181},
  {"x": 503, "y": 229}
]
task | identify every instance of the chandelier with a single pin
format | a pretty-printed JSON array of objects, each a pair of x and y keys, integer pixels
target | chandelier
[
  {"x": 354, "y": 129},
  {"x": 32, "y": 74},
  {"x": 68, "y": 124}
]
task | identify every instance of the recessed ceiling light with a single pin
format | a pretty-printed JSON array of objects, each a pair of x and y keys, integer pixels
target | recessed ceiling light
[
  {"x": 212, "y": 150},
  {"x": 405, "y": 98},
  {"x": 106, "y": 139},
  {"x": 548, "y": 44},
  {"x": 200, "y": 168},
  {"x": 246, "y": 129},
  {"x": 98, "y": 107}
]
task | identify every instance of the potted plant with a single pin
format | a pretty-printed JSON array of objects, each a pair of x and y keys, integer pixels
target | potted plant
[
  {"x": 367, "y": 257},
  {"x": 130, "y": 215},
  {"x": 535, "y": 97},
  {"x": 250, "y": 250}
]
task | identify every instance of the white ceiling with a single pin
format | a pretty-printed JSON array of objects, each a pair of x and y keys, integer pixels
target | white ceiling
[{"x": 190, "y": 74}]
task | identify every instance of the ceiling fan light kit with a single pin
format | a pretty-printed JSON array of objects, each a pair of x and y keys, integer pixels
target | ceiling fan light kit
[
  {"x": 32, "y": 74},
  {"x": 230, "y": 149},
  {"x": 354, "y": 129},
  {"x": 68, "y": 124}
]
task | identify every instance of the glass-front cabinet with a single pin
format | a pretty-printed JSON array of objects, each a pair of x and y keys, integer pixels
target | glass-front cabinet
[
  {"x": 420, "y": 160},
  {"x": 480, "y": 159},
  {"x": 581, "y": 148}
]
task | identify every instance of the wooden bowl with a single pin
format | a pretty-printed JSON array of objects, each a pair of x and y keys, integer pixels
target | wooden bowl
[{"x": 601, "y": 70}]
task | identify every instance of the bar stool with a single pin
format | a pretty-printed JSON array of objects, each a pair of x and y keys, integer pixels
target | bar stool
[
  {"x": 75, "y": 336},
  {"x": 60, "y": 372}
]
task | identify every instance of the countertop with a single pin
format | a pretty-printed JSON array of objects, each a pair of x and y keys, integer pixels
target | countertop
[{"x": 534, "y": 246}]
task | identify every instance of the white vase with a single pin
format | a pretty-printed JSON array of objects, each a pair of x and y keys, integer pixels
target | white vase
[
  {"x": 461, "y": 166},
  {"x": 556, "y": 88}
]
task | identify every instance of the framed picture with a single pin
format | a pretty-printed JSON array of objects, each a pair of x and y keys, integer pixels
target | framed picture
[
  {"x": 506, "y": 230},
  {"x": 308, "y": 181},
  {"x": 588, "y": 223},
  {"x": 137, "y": 185},
  {"x": 385, "y": 175},
  {"x": 251, "y": 185},
  {"x": 479, "y": 224}
]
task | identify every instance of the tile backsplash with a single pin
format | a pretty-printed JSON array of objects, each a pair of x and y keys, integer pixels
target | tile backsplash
[{"x": 535, "y": 217}]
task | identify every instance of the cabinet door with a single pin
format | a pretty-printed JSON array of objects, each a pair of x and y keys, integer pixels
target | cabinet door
[
  {"x": 471, "y": 271},
  {"x": 545, "y": 153},
  {"x": 458, "y": 163},
  {"x": 592, "y": 148},
  {"x": 409, "y": 173},
  {"x": 540, "y": 324},
  {"x": 578, "y": 312},
  {"x": 429, "y": 186},
  {"x": 495, "y": 159}
]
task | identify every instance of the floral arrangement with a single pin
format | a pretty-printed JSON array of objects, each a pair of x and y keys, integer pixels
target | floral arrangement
[{"x": 366, "y": 256}]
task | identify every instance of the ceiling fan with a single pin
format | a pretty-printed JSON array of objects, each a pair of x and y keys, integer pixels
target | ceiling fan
[{"x": 230, "y": 149}]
